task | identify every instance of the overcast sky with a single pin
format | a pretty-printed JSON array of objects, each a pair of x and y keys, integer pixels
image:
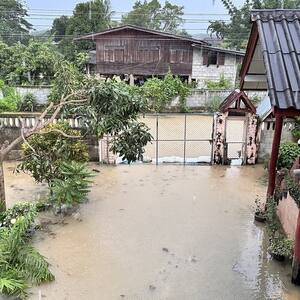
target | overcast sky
[{"x": 66, "y": 6}]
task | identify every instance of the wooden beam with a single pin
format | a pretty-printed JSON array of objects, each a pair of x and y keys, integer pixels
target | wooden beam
[
  {"x": 249, "y": 53},
  {"x": 274, "y": 154}
]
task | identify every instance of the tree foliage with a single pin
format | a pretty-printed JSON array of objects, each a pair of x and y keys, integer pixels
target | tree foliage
[
  {"x": 46, "y": 151},
  {"x": 288, "y": 152},
  {"x": 28, "y": 64},
  {"x": 236, "y": 32},
  {"x": 152, "y": 15},
  {"x": 88, "y": 17},
  {"x": 160, "y": 92},
  {"x": 13, "y": 24}
]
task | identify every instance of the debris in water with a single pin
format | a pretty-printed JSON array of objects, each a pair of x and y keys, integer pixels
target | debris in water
[
  {"x": 96, "y": 170},
  {"x": 77, "y": 216},
  {"x": 152, "y": 287},
  {"x": 122, "y": 296},
  {"x": 165, "y": 249}
]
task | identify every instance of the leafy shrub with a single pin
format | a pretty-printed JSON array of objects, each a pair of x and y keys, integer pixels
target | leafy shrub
[
  {"x": 49, "y": 149},
  {"x": 11, "y": 99},
  {"x": 221, "y": 84},
  {"x": 9, "y": 217},
  {"x": 73, "y": 186},
  {"x": 20, "y": 263},
  {"x": 288, "y": 152},
  {"x": 213, "y": 104},
  {"x": 28, "y": 103},
  {"x": 130, "y": 143},
  {"x": 282, "y": 246},
  {"x": 296, "y": 130},
  {"x": 293, "y": 189},
  {"x": 160, "y": 92}
]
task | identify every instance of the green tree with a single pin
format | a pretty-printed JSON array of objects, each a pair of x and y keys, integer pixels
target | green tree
[
  {"x": 53, "y": 142},
  {"x": 235, "y": 33},
  {"x": 105, "y": 108},
  {"x": 13, "y": 24},
  {"x": 153, "y": 15},
  {"x": 32, "y": 64},
  {"x": 88, "y": 17}
]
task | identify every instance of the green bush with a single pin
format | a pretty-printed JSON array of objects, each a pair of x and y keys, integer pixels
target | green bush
[
  {"x": 47, "y": 150},
  {"x": 296, "y": 130},
  {"x": 160, "y": 92},
  {"x": 20, "y": 263},
  {"x": 288, "y": 152},
  {"x": 28, "y": 103},
  {"x": 9, "y": 217},
  {"x": 221, "y": 84},
  {"x": 282, "y": 246},
  {"x": 213, "y": 104},
  {"x": 73, "y": 186},
  {"x": 11, "y": 99}
]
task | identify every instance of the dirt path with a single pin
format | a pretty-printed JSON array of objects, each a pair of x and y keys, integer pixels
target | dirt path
[{"x": 166, "y": 232}]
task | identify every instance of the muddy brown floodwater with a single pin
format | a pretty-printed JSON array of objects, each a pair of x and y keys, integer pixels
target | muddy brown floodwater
[{"x": 165, "y": 232}]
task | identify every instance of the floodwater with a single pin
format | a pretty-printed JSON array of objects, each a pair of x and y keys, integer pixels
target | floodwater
[{"x": 162, "y": 232}]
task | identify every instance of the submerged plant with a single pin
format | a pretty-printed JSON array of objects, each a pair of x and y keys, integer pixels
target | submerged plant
[
  {"x": 20, "y": 263},
  {"x": 73, "y": 187}
]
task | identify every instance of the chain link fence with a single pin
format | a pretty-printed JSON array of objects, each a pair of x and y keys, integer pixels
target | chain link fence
[{"x": 179, "y": 138}]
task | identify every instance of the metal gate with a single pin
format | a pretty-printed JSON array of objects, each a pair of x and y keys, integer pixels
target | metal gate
[
  {"x": 235, "y": 146},
  {"x": 180, "y": 138}
]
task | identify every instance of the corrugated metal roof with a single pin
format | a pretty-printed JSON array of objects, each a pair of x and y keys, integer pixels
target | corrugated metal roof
[
  {"x": 94, "y": 36},
  {"x": 219, "y": 49},
  {"x": 264, "y": 109},
  {"x": 279, "y": 35}
]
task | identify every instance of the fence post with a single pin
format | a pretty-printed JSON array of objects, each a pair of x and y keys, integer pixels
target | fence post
[
  {"x": 156, "y": 139},
  {"x": 184, "y": 140}
]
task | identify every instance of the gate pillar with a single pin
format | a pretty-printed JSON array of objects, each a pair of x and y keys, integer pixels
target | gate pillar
[{"x": 219, "y": 138}]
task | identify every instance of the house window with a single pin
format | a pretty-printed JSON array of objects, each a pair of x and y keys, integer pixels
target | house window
[
  {"x": 119, "y": 55},
  {"x": 108, "y": 55},
  {"x": 211, "y": 57},
  {"x": 148, "y": 55}
]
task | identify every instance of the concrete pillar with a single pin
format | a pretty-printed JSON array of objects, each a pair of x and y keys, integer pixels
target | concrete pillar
[
  {"x": 131, "y": 79},
  {"x": 219, "y": 138},
  {"x": 296, "y": 259}
]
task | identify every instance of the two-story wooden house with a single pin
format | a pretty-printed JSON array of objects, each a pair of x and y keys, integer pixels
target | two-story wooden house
[{"x": 135, "y": 52}]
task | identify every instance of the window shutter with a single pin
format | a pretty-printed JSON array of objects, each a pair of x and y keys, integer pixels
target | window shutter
[
  {"x": 221, "y": 59},
  {"x": 205, "y": 57},
  {"x": 173, "y": 56}
]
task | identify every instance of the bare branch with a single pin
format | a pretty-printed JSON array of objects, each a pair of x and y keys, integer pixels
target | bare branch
[
  {"x": 22, "y": 135},
  {"x": 60, "y": 132}
]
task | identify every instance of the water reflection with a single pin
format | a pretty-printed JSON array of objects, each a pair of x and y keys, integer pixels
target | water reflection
[{"x": 268, "y": 279}]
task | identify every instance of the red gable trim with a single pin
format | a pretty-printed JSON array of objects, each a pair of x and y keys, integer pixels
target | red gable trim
[{"x": 249, "y": 53}]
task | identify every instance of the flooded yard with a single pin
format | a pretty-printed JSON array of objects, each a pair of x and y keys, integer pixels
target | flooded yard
[{"x": 165, "y": 232}]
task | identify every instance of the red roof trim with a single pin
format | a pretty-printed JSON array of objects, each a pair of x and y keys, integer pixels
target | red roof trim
[{"x": 249, "y": 53}]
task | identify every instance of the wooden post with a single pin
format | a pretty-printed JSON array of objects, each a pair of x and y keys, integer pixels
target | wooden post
[
  {"x": 274, "y": 154},
  {"x": 296, "y": 259}
]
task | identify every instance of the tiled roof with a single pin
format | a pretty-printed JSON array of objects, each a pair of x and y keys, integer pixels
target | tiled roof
[{"x": 279, "y": 36}]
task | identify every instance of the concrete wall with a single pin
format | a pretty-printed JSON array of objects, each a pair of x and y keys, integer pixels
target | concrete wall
[
  {"x": 266, "y": 133},
  {"x": 200, "y": 97},
  {"x": 287, "y": 212},
  {"x": 41, "y": 93},
  {"x": 201, "y": 73}
]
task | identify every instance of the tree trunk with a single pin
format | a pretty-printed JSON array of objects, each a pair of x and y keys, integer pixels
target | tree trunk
[{"x": 2, "y": 187}]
